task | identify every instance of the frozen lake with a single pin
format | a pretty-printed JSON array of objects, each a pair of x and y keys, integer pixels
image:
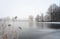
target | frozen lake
[{"x": 30, "y": 30}]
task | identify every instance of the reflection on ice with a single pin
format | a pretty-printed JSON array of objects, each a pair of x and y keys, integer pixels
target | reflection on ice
[{"x": 29, "y": 30}]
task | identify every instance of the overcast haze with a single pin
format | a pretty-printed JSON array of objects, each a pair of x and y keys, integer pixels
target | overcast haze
[{"x": 24, "y": 8}]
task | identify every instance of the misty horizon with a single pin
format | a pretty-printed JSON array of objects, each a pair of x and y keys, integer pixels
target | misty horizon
[{"x": 24, "y": 8}]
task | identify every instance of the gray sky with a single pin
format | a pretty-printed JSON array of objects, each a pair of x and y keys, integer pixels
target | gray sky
[{"x": 24, "y": 8}]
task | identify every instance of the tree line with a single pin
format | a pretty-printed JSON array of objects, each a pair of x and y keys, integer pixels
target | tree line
[{"x": 53, "y": 15}]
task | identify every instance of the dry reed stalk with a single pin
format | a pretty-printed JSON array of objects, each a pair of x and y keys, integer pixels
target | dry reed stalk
[
  {"x": 4, "y": 36},
  {"x": 13, "y": 34}
]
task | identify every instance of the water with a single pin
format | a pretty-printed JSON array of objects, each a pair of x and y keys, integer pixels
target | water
[{"x": 29, "y": 30}]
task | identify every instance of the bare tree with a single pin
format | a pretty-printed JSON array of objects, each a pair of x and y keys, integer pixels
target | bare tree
[
  {"x": 31, "y": 18},
  {"x": 54, "y": 12},
  {"x": 37, "y": 18}
]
